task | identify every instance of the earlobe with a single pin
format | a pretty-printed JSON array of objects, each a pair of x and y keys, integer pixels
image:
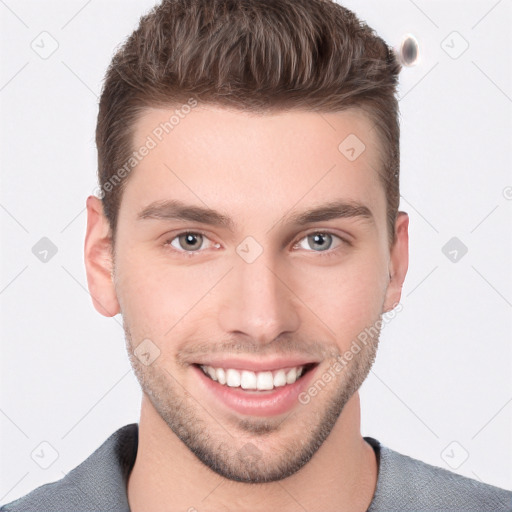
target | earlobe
[
  {"x": 99, "y": 260},
  {"x": 398, "y": 262}
]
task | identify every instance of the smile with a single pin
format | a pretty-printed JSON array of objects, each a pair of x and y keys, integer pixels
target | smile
[
  {"x": 254, "y": 388},
  {"x": 260, "y": 381}
]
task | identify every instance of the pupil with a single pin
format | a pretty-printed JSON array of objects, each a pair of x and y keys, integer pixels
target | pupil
[
  {"x": 191, "y": 241},
  {"x": 317, "y": 239}
]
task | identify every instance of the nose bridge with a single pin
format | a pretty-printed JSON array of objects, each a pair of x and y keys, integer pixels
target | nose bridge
[{"x": 258, "y": 303}]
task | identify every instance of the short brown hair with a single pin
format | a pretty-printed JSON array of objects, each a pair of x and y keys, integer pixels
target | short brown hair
[{"x": 251, "y": 55}]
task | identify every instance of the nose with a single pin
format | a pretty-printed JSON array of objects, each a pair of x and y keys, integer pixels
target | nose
[{"x": 258, "y": 302}]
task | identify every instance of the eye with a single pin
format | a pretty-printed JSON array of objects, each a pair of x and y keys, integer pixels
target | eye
[
  {"x": 320, "y": 240},
  {"x": 190, "y": 242}
]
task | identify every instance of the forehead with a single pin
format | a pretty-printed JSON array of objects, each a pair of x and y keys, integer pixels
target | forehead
[{"x": 248, "y": 163}]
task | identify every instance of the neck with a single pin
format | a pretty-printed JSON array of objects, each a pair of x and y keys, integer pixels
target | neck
[{"x": 342, "y": 475}]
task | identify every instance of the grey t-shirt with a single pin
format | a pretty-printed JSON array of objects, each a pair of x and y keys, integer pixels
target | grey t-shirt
[{"x": 403, "y": 484}]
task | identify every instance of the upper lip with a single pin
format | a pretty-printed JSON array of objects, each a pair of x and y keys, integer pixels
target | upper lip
[{"x": 255, "y": 365}]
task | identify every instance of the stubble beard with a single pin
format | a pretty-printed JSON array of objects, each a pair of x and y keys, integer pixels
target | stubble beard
[{"x": 226, "y": 448}]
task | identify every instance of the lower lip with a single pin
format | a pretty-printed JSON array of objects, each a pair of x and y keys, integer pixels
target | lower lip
[{"x": 257, "y": 403}]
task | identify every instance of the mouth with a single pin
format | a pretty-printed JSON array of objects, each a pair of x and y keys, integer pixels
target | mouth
[
  {"x": 266, "y": 380},
  {"x": 254, "y": 389}
]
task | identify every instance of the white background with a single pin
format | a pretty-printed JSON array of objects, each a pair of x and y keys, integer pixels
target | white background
[{"x": 443, "y": 372}]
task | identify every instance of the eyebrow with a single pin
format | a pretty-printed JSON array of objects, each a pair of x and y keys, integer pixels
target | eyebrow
[{"x": 177, "y": 210}]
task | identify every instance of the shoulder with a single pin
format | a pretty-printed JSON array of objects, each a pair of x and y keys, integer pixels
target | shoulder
[
  {"x": 406, "y": 484},
  {"x": 98, "y": 483}
]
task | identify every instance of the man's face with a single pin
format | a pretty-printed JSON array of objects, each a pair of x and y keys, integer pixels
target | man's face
[{"x": 258, "y": 298}]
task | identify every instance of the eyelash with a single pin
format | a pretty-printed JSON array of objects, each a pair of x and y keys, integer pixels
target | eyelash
[{"x": 191, "y": 254}]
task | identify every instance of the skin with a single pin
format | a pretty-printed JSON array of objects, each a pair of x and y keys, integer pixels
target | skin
[{"x": 292, "y": 299}]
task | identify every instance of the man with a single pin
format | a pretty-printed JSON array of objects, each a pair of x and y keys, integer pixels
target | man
[{"x": 249, "y": 233}]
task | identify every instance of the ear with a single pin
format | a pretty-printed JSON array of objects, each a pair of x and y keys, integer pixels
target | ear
[
  {"x": 398, "y": 263},
  {"x": 99, "y": 259}
]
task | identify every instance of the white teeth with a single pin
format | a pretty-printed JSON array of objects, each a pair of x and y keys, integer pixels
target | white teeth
[
  {"x": 291, "y": 376},
  {"x": 265, "y": 381},
  {"x": 280, "y": 378},
  {"x": 261, "y": 381},
  {"x": 211, "y": 372},
  {"x": 221, "y": 375},
  {"x": 248, "y": 380},
  {"x": 233, "y": 378}
]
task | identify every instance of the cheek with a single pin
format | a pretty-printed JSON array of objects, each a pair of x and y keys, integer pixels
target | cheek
[
  {"x": 162, "y": 301},
  {"x": 346, "y": 298},
  {"x": 157, "y": 296}
]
